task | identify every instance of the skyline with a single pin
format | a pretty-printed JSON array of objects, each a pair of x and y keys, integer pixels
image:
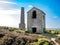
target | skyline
[{"x": 10, "y": 11}]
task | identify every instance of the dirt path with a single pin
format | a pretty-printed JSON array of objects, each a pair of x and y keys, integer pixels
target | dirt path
[{"x": 53, "y": 39}]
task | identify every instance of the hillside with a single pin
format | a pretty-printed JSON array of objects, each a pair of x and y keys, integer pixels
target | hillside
[{"x": 14, "y": 36}]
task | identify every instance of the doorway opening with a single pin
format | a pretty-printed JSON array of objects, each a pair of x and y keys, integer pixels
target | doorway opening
[{"x": 34, "y": 29}]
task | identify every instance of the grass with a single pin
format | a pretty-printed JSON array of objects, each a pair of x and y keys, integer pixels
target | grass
[
  {"x": 42, "y": 41},
  {"x": 53, "y": 31}
]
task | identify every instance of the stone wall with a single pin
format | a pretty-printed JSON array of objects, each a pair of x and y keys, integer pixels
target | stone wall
[{"x": 39, "y": 22}]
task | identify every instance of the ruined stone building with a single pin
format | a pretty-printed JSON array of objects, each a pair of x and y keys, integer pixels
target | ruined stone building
[{"x": 35, "y": 20}]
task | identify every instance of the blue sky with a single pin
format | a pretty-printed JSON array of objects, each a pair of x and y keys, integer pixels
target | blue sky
[{"x": 10, "y": 11}]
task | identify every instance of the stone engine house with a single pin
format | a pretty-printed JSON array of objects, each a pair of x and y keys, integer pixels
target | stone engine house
[{"x": 36, "y": 20}]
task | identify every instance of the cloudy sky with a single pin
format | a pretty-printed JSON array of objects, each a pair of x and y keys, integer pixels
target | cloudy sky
[{"x": 10, "y": 11}]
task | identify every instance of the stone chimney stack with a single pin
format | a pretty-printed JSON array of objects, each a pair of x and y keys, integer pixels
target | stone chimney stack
[{"x": 22, "y": 19}]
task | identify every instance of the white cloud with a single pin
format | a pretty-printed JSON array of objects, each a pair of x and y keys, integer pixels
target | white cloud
[
  {"x": 7, "y": 2},
  {"x": 9, "y": 12},
  {"x": 30, "y": 6},
  {"x": 55, "y": 17},
  {"x": 1, "y": 8},
  {"x": 6, "y": 20},
  {"x": 9, "y": 17}
]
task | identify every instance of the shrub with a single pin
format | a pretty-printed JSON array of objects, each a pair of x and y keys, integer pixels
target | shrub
[
  {"x": 11, "y": 30},
  {"x": 2, "y": 35},
  {"x": 42, "y": 42},
  {"x": 18, "y": 31},
  {"x": 29, "y": 31}
]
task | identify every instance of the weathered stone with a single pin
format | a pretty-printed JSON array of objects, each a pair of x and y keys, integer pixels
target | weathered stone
[
  {"x": 22, "y": 21},
  {"x": 37, "y": 22}
]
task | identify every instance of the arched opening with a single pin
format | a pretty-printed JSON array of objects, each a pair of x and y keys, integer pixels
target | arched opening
[
  {"x": 34, "y": 29},
  {"x": 34, "y": 14}
]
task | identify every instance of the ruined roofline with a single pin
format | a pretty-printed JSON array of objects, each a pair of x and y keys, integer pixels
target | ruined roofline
[{"x": 37, "y": 9}]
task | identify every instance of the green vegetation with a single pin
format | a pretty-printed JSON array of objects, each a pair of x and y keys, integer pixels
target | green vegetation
[
  {"x": 15, "y": 36},
  {"x": 42, "y": 42},
  {"x": 29, "y": 31},
  {"x": 53, "y": 31},
  {"x": 11, "y": 29}
]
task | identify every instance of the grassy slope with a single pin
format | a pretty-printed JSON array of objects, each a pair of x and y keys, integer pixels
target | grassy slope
[{"x": 19, "y": 37}]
